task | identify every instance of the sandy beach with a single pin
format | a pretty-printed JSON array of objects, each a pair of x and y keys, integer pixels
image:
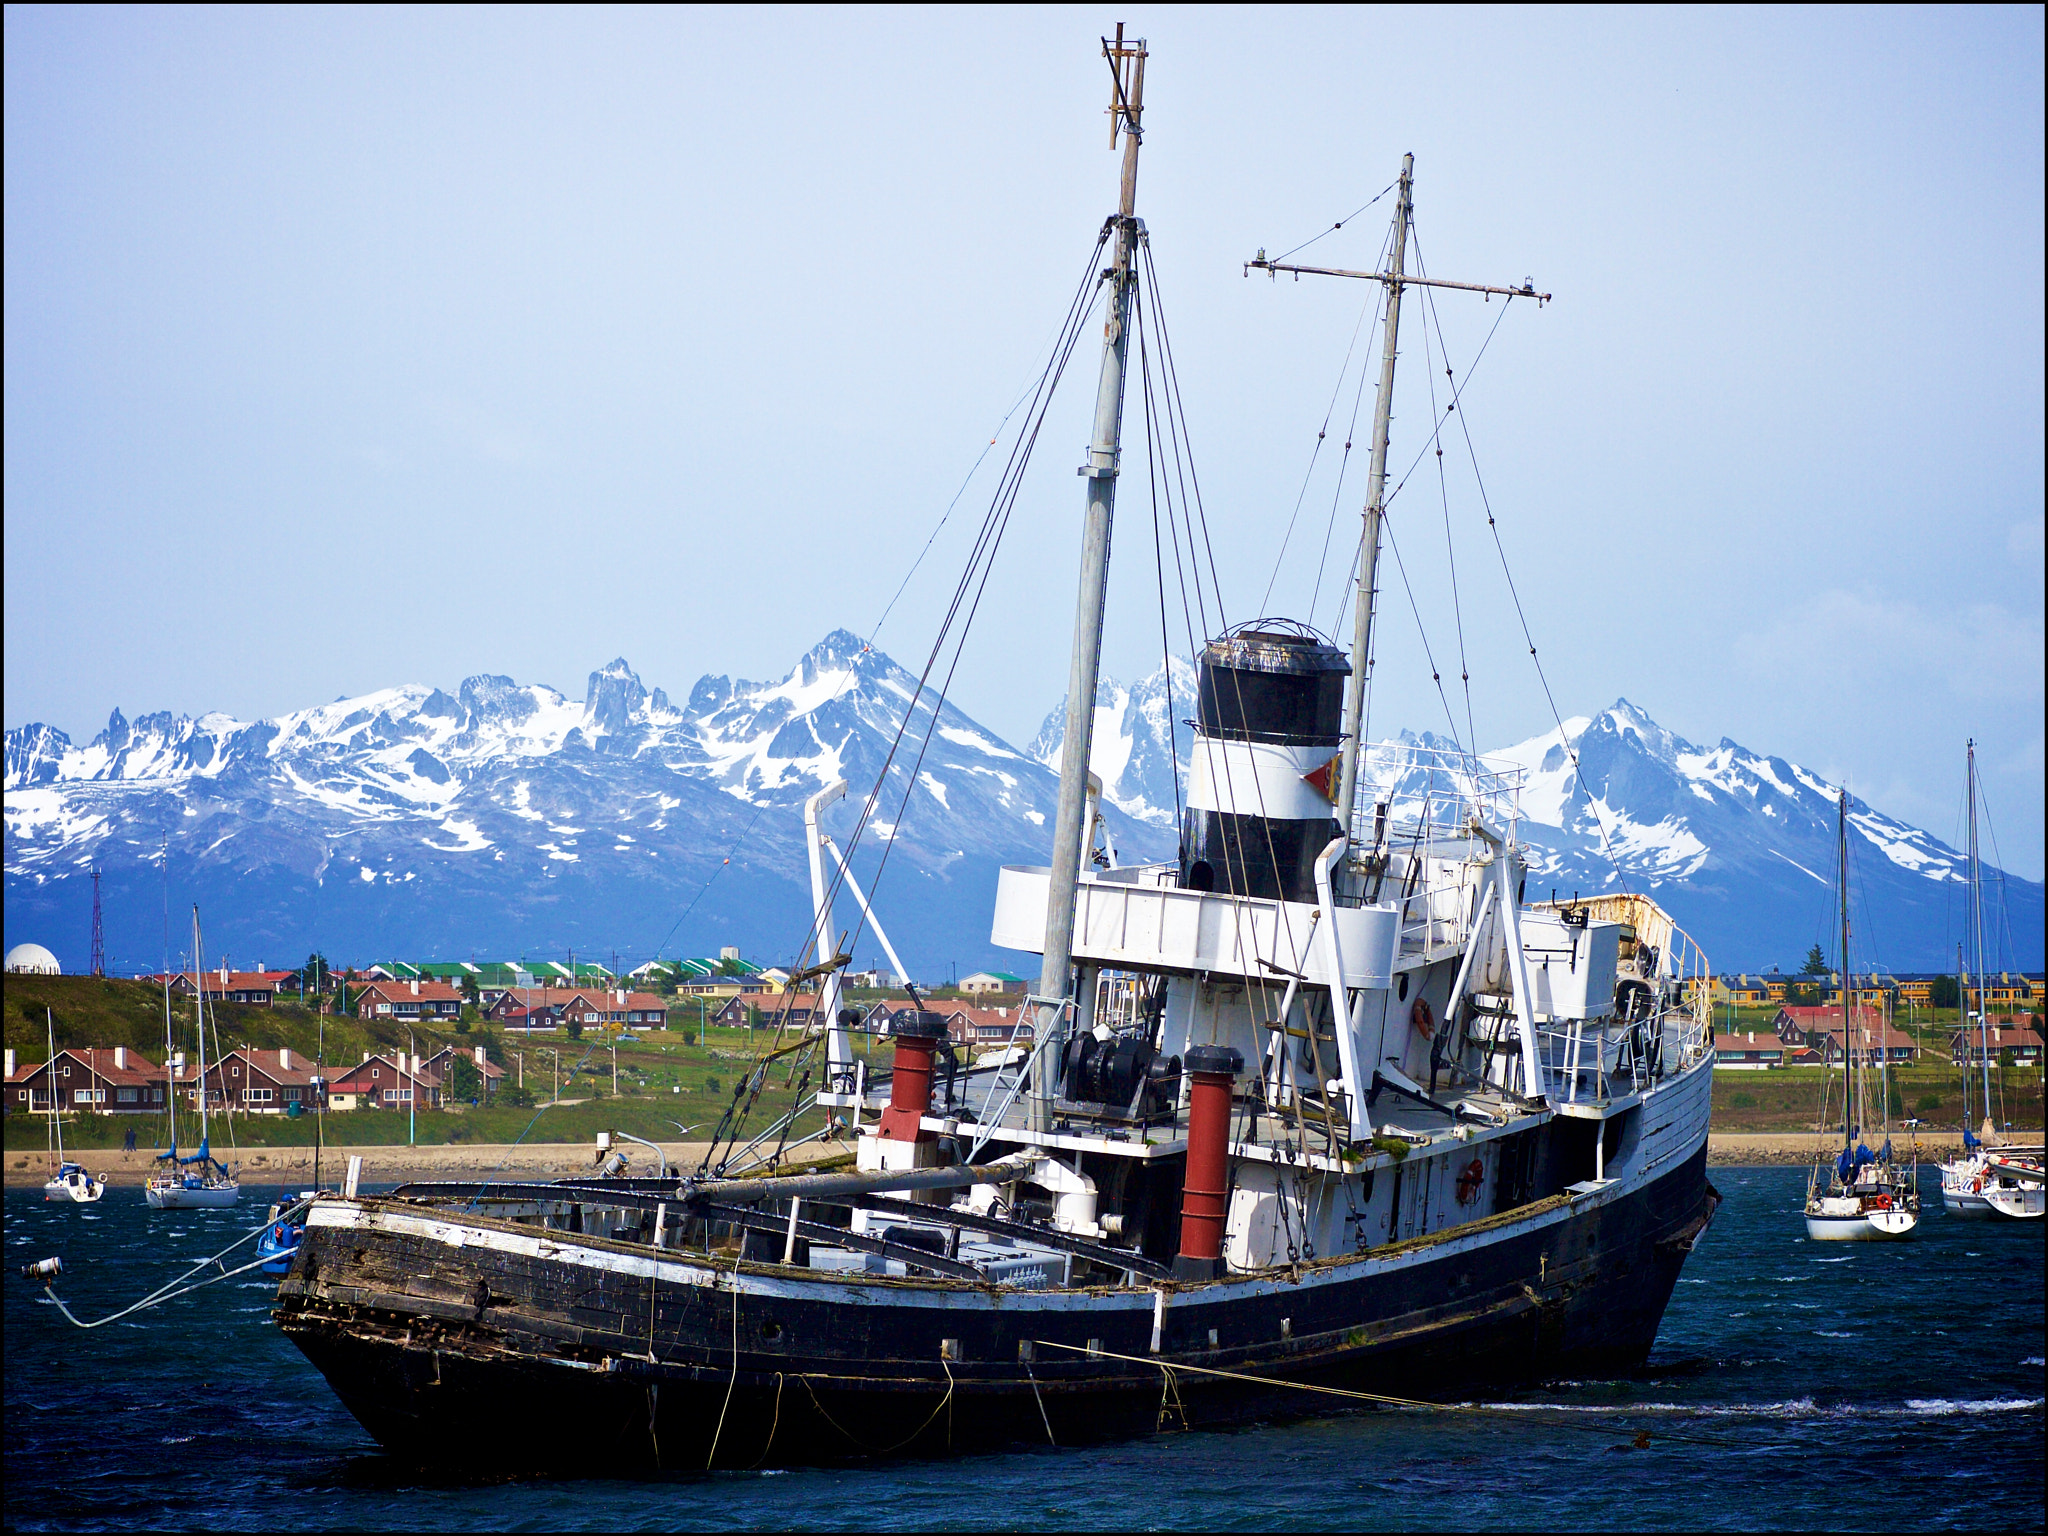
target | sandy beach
[
  {"x": 388, "y": 1165},
  {"x": 554, "y": 1160}
]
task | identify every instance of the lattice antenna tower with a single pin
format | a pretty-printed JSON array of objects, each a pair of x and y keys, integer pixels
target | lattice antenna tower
[{"x": 99, "y": 932}]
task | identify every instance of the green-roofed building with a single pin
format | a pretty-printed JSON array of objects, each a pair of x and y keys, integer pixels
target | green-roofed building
[{"x": 457, "y": 971}]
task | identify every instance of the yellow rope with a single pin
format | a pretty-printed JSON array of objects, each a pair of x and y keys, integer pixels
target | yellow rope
[
  {"x": 1517, "y": 1415},
  {"x": 732, "y": 1380}
]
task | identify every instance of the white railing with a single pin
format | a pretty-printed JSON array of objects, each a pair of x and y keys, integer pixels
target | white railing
[{"x": 1431, "y": 795}]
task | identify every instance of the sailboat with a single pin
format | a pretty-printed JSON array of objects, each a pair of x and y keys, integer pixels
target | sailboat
[
  {"x": 70, "y": 1182},
  {"x": 1984, "y": 1181},
  {"x": 1861, "y": 1196},
  {"x": 198, "y": 1181},
  {"x": 1371, "y": 1123}
]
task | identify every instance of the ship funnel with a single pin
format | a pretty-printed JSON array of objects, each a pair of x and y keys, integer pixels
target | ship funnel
[{"x": 1270, "y": 707}]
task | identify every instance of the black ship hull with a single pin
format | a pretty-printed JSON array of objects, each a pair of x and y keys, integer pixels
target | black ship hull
[{"x": 503, "y": 1353}]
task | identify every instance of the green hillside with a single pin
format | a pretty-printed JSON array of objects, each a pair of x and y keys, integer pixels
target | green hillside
[{"x": 665, "y": 1087}]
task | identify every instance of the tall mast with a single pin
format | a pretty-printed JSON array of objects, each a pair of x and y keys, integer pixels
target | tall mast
[
  {"x": 56, "y": 1104},
  {"x": 1375, "y": 503},
  {"x": 1848, "y": 992},
  {"x": 199, "y": 1018},
  {"x": 1963, "y": 1026},
  {"x": 170, "y": 1074},
  {"x": 1976, "y": 920},
  {"x": 1396, "y": 278},
  {"x": 1055, "y": 984}
]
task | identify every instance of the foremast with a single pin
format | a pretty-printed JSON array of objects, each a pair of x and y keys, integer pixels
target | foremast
[{"x": 1055, "y": 981}]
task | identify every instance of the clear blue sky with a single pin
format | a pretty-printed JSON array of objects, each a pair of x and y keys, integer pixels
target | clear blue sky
[{"x": 353, "y": 347}]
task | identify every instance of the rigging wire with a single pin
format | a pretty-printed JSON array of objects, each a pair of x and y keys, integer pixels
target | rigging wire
[
  {"x": 716, "y": 870},
  {"x": 1052, "y": 341},
  {"x": 967, "y": 595},
  {"x": 1337, "y": 493},
  {"x": 1521, "y": 615},
  {"x": 1312, "y": 239},
  {"x": 1322, "y": 432},
  {"x": 1450, "y": 548},
  {"x": 1435, "y": 676}
]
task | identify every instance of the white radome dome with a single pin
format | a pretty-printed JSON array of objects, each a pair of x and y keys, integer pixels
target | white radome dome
[{"x": 34, "y": 960}]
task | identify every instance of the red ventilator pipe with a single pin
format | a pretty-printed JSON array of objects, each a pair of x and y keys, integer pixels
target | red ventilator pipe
[
  {"x": 917, "y": 1034},
  {"x": 1205, "y": 1189}
]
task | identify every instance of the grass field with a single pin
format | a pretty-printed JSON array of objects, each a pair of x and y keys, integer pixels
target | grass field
[
  {"x": 1790, "y": 1099},
  {"x": 665, "y": 1080}
]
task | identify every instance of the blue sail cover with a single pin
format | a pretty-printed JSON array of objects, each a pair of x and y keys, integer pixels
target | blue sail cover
[{"x": 1970, "y": 1143}]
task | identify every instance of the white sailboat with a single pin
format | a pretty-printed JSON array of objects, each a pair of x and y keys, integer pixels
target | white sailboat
[
  {"x": 1864, "y": 1196},
  {"x": 70, "y": 1182},
  {"x": 1985, "y": 1183},
  {"x": 197, "y": 1181}
]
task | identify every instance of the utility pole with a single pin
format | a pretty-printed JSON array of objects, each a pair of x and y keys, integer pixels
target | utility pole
[{"x": 1055, "y": 981}]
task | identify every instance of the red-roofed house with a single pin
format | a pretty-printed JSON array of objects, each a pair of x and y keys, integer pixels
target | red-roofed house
[
  {"x": 257, "y": 988},
  {"x": 442, "y": 1062},
  {"x": 1744, "y": 1052},
  {"x": 771, "y": 1007},
  {"x": 104, "y": 1081},
  {"x": 385, "y": 1082},
  {"x": 1808, "y": 1026},
  {"x": 261, "y": 1082},
  {"x": 423, "y": 1000}
]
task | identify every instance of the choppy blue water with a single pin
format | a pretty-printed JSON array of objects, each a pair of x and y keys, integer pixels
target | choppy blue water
[{"x": 1892, "y": 1386}]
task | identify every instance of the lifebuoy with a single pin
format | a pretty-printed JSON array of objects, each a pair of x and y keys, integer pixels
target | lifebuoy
[
  {"x": 1470, "y": 1180},
  {"x": 1422, "y": 1018},
  {"x": 1880, "y": 1202}
]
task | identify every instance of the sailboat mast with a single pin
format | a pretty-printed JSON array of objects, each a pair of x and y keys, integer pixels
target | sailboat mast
[
  {"x": 56, "y": 1106},
  {"x": 1127, "y": 63},
  {"x": 1963, "y": 1026},
  {"x": 1375, "y": 504},
  {"x": 199, "y": 1021},
  {"x": 1848, "y": 992},
  {"x": 1976, "y": 920},
  {"x": 170, "y": 1072}
]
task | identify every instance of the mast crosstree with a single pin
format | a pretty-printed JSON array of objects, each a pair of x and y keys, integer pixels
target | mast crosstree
[{"x": 1396, "y": 278}]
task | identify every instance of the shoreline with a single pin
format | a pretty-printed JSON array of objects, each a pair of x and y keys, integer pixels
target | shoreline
[
  {"x": 260, "y": 1166},
  {"x": 554, "y": 1160}
]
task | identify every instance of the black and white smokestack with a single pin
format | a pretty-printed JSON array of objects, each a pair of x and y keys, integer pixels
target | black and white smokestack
[{"x": 1269, "y": 723}]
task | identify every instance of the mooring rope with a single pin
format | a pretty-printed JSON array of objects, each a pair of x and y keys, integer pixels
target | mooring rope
[
  {"x": 1642, "y": 1436},
  {"x": 175, "y": 1288}
]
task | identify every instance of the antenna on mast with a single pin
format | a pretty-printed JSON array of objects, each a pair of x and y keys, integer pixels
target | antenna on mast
[{"x": 99, "y": 932}]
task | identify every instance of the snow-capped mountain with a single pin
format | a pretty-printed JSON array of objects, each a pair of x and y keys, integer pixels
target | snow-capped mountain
[
  {"x": 1737, "y": 845},
  {"x": 1141, "y": 737},
  {"x": 507, "y": 818}
]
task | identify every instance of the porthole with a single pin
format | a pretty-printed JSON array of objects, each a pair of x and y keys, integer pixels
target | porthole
[
  {"x": 1402, "y": 991},
  {"x": 771, "y": 1330}
]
